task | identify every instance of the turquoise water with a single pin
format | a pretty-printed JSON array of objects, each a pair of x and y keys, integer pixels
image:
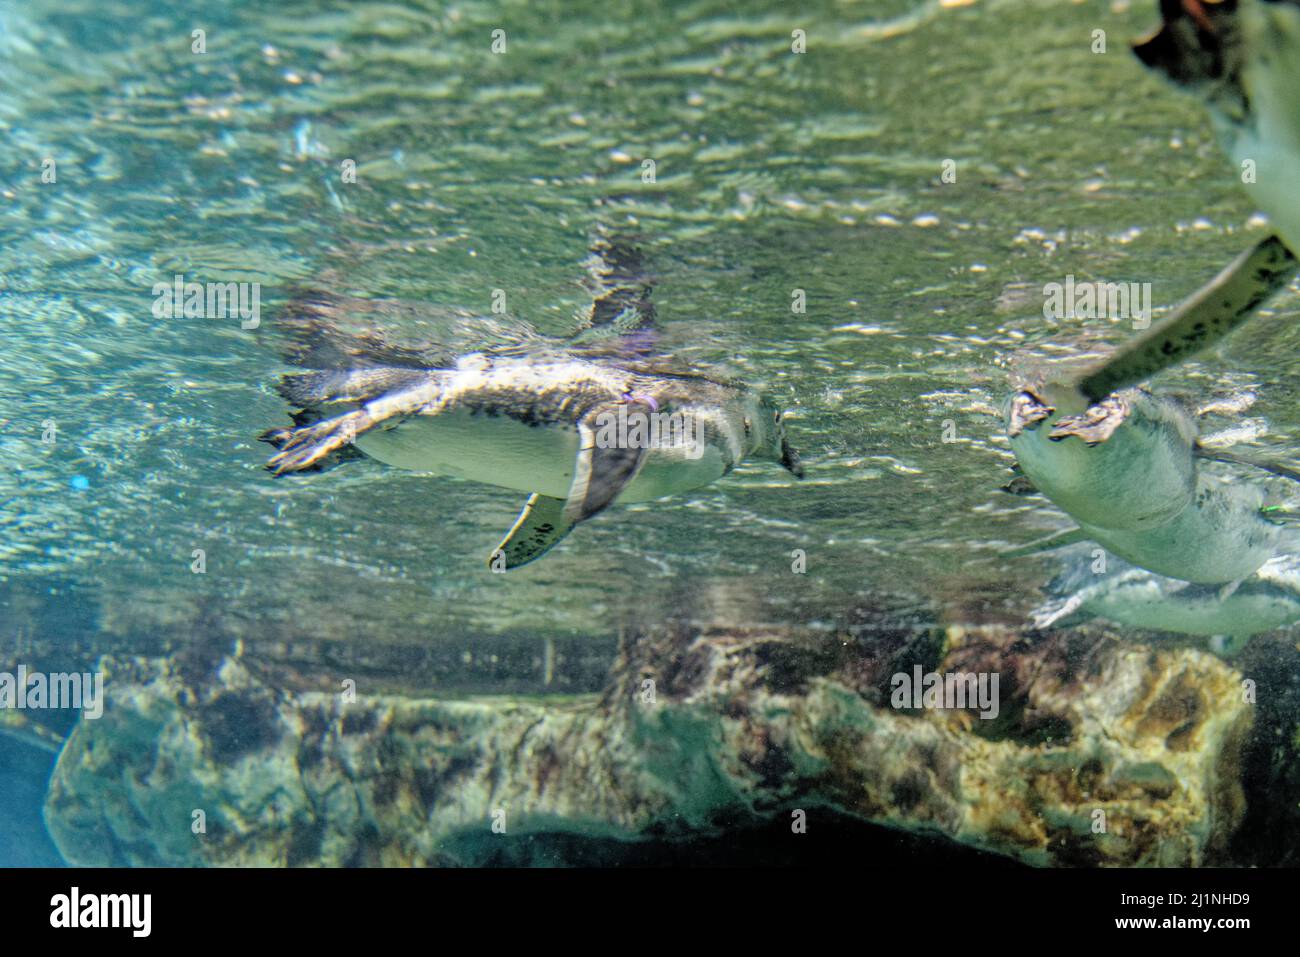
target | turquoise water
[{"x": 478, "y": 171}]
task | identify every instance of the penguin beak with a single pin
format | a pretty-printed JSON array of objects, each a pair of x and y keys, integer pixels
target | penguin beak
[{"x": 790, "y": 459}]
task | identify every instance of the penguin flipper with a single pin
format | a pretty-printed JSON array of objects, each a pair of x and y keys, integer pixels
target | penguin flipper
[
  {"x": 540, "y": 527},
  {"x": 621, "y": 318},
  {"x": 1057, "y": 613},
  {"x": 606, "y": 463},
  {"x": 1214, "y": 310},
  {"x": 602, "y": 470}
]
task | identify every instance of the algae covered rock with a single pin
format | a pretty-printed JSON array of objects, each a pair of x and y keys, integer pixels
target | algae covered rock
[{"x": 1101, "y": 752}]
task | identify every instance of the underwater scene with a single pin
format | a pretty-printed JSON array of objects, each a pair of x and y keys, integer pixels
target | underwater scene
[{"x": 574, "y": 434}]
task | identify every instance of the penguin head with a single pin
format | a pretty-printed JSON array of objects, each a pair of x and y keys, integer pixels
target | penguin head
[{"x": 765, "y": 426}]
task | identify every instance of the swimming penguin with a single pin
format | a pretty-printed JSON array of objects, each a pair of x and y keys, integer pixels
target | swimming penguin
[
  {"x": 1128, "y": 465},
  {"x": 1125, "y": 463},
  {"x": 578, "y": 424},
  {"x": 1129, "y": 470},
  {"x": 1227, "y": 616},
  {"x": 1242, "y": 57}
]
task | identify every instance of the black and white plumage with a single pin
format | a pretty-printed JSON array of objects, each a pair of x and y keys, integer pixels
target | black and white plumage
[
  {"x": 1242, "y": 57},
  {"x": 568, "y": 421},
  {"x": 1130, "y": 471},
  {"x": 1124, "y": 463}
]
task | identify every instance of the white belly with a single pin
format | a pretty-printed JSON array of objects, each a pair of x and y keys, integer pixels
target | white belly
[
  {"x": 1133, "y": 481},
  {"x": 668, "y": 472},
  {"x": 1221, "y": 538},
  {"x": 504, "y": 452},
  {"x": 496, "y": 451}
]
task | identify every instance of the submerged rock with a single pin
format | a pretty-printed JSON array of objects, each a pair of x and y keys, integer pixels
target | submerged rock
[{"x": 1101, "y": 753}]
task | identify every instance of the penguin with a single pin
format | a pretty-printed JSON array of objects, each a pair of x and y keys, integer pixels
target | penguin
[{"x": 579, "y": 424}]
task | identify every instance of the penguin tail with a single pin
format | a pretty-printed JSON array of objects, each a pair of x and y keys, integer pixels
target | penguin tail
[
  {"x": 305, "y": 447},
  {"x": 317, "y": 434}
]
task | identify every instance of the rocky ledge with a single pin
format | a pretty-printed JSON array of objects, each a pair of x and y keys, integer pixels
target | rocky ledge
[{"x": 1102, "y": 752}]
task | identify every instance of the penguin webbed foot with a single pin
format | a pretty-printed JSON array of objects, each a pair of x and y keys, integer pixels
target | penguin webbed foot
[
  {"x": 1027, "y": 410},
  {"x": 1095, "y": 424},
  {"x": 303, "y": 448}
]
